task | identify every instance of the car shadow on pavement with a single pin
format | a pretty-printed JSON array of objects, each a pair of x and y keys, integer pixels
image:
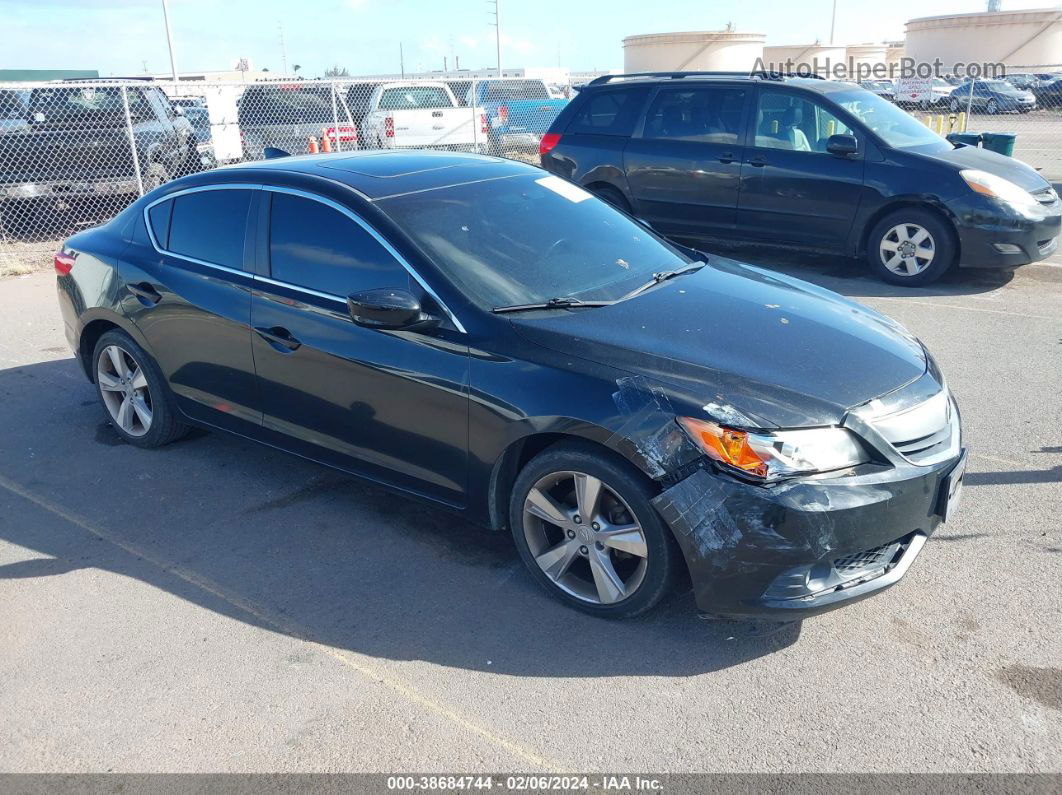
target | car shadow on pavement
[
  {"x": 851, "y": 277},
  {"x": 282, "y": 543}
]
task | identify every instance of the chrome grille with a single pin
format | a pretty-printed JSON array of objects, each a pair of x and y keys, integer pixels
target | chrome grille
[{"x": 923, "y": 434}]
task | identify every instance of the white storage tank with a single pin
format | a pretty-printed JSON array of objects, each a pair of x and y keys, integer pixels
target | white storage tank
[
  {"x": 870, "y": 55},
  {"x": 1016, "y": 38},
  {"x": 709, "y": 51},
  {"x": 813, "y": 57}
]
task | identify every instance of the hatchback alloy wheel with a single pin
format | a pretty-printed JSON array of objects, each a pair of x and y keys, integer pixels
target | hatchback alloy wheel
[
  {"x": 585, "y": 538},
  {"x": 124, "y": 387},
  {"x": 907, "y": 249}
]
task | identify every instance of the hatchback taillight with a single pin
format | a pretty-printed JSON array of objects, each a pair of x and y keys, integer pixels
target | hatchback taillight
[
  {"x": 549, "y": 140},
  {"x": 64, "y": 263}
]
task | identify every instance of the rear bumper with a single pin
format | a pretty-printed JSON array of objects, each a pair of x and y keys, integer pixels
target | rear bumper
[
  {"x": 991, "y": 235},
  {"x": 59, "y": 189},
  {"x": 786, "y": 551}
]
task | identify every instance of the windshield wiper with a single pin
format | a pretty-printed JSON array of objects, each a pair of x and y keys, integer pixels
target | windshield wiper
[
  {"x": 552, "y": 303},
  {"x": 663, "y": 276}
]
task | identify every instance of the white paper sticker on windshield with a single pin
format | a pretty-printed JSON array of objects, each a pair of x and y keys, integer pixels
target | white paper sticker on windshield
[{"x": 572, "y": 193}]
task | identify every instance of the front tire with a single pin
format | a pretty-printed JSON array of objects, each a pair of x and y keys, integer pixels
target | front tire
[
  {"x": 911, "y": 247},
  {"x": 584, "y": 527},
  {"x": 992, "y": 108},
  {"x": 134, "y": 393}
]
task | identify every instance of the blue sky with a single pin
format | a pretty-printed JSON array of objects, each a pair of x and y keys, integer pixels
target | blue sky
[{"x": 118, "y": 36}]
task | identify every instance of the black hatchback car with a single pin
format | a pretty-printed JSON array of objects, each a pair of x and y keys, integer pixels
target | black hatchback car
[
  {"x": 804, "y": 162},
  {"x": 496, "y": 341}
]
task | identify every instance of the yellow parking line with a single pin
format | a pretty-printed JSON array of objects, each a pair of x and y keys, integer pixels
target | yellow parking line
[{"x": 278, "y": 624}]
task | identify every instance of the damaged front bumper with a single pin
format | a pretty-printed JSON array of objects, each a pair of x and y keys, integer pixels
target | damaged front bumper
[{"x": 800, "y": 548}]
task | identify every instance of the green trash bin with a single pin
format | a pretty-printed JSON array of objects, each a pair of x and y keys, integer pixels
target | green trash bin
[
  {"x": 970, "y": 139},
  {"x": 999, "y": 142}
]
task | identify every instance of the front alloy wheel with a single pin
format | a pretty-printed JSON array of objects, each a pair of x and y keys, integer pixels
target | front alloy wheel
[
  {"x": 585, "y": 538},
  {"x": 124, "y": 389},
  {"x": 907, "y": 249}
]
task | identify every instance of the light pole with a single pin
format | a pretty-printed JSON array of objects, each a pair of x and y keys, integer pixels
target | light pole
[
  {"x": 169, "y": 39},
  {"x": 833, "y": 21},
  {"x": 497, "y": 32}
]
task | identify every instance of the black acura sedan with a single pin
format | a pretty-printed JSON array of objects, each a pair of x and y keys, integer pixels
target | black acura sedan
[{"x": 498, "y": 342}]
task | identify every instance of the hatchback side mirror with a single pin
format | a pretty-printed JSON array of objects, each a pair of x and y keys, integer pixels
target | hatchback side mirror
[
  {"x": 842, "y": 145},
  {"x": 389, "y": 309}
]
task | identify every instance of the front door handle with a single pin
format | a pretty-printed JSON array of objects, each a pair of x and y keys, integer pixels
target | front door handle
[
  {"x": 145, "y": 293},
  {"x": 759, "y": 161},
  {"x": 727, "y": 157},
  {"x": 278, "y": 337}
]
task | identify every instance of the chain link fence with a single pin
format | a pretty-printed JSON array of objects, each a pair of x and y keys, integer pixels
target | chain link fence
[{"x": 75, "y": 153}]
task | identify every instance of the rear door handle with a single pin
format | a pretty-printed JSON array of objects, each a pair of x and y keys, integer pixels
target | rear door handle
[
  {"x": 145, "y": 293},
  {"x": 758, "y": 161},
  {"x": 727, "y": 157},
  {"x": 278, "y": 337}
]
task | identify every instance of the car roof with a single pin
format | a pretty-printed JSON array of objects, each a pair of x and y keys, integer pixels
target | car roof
[{"x": 380, "y": 174}]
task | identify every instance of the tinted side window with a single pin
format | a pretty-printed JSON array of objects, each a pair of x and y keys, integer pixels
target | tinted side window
[
  {"x": 788, "y": 121},
  {"x": 312, "y": 245},
  {"x": 210, "y": 225},
  {"x": 711, "y": 115},
  {"x": 160, "y": 222},
  {"x": 609, "y": 112}
]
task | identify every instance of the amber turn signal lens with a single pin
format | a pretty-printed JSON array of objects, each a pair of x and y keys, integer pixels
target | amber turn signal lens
[{"x": 726, "y": 445}]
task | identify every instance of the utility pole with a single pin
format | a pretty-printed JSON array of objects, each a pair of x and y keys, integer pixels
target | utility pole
[
  {"x": 401, "y": 61},
  {"x": 833, "y": 21},
  {"x": 497, "y": 31},
  {"x": 283, "y": 48},
  {"x": 169, "y": 39}
]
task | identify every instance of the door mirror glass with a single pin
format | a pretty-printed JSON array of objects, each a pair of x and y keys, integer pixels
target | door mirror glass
[
  {"x": 842, "y": 145},
  {"x": 388, "y": 309}
]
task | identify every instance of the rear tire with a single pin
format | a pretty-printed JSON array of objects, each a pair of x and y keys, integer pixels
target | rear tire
[
  {"x": 992, "y": 108},
  {"x": 154, "y": 176},
  {"x": 134, "y": 392},
  {"x": 617, "y": 562},
  {"x": 911, "y": 247},
  {"x": 613, "y": 196}
]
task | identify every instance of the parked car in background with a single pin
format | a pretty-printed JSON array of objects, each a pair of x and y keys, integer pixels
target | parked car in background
[
  {"x": 883, "y": 88},
  {"x": 1022, "y": 82},
  {"x": 517, "y": 112},
  {"x": 422, "y": 115},
  {"x": 14, "y": 107},
  {"x": 991, "y": 97},
  {"x": 498, "y": 343},
  {"x": 71, "y": 152},
  {"x": 287, "y": 115},
  {"x": 1048, "y": 92},
  {"x": 801, "y": 162}
]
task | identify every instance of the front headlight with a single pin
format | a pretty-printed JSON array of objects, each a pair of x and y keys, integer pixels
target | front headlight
[
  {"x": 998, "y": 188},
  {"x": 769, "y": 456}
]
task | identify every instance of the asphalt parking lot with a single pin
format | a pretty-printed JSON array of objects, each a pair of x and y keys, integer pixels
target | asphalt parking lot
[{"x": 219, "y": 606}]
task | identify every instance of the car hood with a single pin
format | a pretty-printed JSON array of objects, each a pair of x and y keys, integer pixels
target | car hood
[
  {"x": 755, "y": 348},
  {"x": 994, "y": 163}
]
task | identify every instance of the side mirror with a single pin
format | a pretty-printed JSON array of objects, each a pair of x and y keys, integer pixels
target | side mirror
[
  {"x": 178, "y": 110},
  {"x": 842, "y": 145},
  {"x": 389, "y": 309}
]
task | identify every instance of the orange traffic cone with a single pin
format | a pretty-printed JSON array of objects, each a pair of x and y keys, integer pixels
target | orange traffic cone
[
  {"x": 313, "y": 146},
  {"x": 326, "y": 142}
]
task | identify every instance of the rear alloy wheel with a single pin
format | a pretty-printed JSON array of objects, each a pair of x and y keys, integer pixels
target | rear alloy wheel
[
  {"x": 992, "y": 108},
  {"x": 585, "y": 529},
  {"x": 911, "y": 247},
  {"x": 134, "y": 393},
  {"x": 954, "y": 106}
]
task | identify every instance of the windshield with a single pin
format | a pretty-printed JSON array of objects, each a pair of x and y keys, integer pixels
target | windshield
[
  {"x": 526, "y": 239},
  {"x": 894, "y": 126}
]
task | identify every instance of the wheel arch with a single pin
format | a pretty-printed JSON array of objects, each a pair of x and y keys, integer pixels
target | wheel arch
[
  {"x": 926, "y": 203},
  {"x": 97, "y": 323}
]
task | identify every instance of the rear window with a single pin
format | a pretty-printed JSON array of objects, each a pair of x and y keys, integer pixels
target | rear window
[
  {"x": 286, "y": 104},
  {"x": 210, "y": 226},
  {"x": 500, "y": 90},
  {"x": 413, "y": 97},
  {"x": 609, "y": 112},
  {"x": 48, "y": 104}
]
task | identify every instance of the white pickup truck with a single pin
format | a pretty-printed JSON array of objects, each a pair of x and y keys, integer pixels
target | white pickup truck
[{"x": 418, "y": 115}]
